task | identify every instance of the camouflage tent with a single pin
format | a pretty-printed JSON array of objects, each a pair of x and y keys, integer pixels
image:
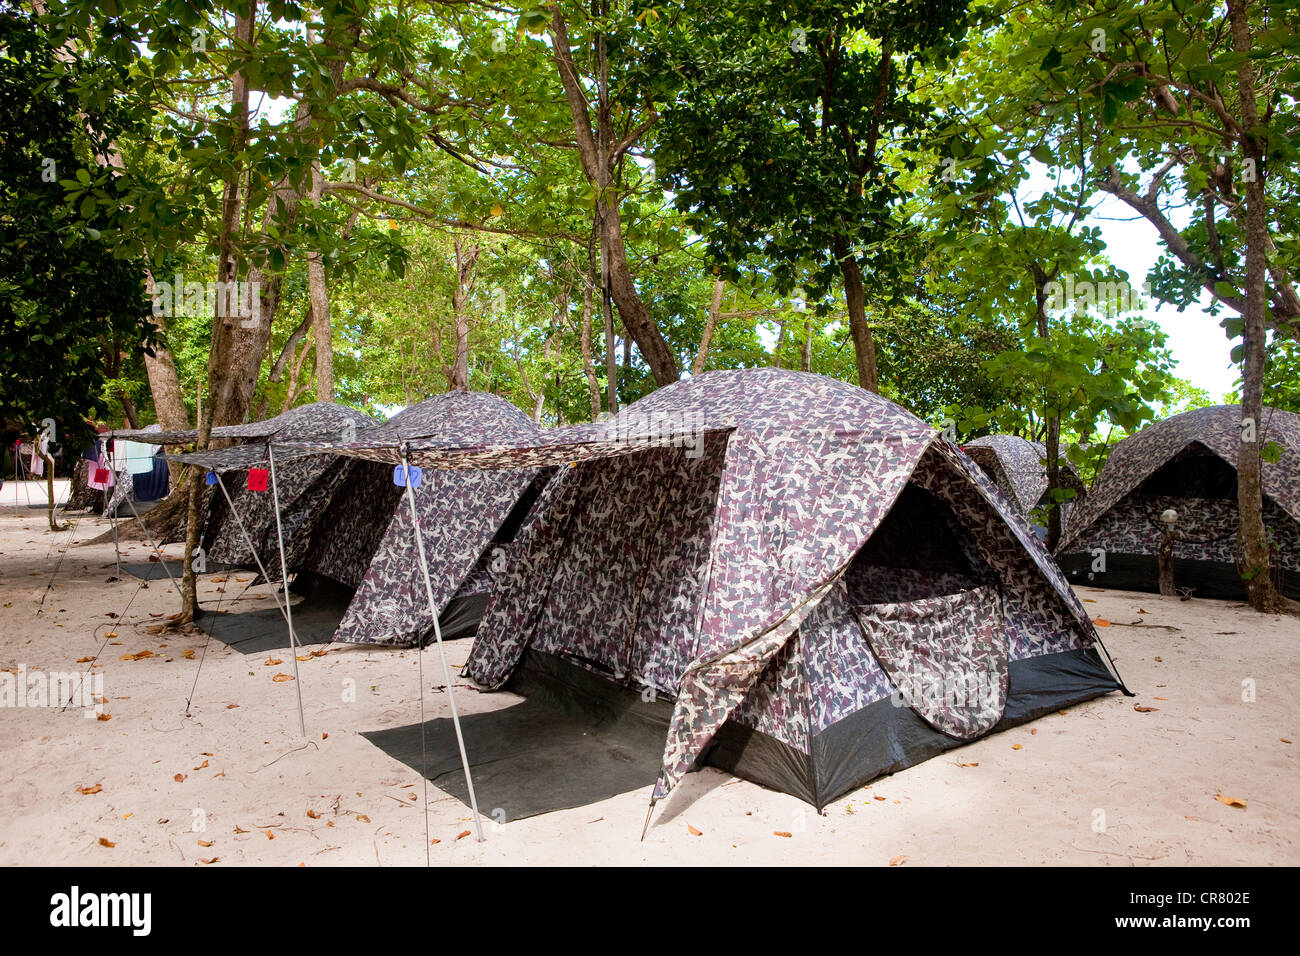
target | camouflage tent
[
  {"x": 1018, "y": 467},
  {"x": 304, "y": 482},
  {"x": 1187, "y": 463},
  {"x": 362, "y": 537},
  {"x": 820, "y": 587}
]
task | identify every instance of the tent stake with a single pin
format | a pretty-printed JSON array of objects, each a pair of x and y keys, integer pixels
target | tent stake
[
  {"x": 649, "y": 810},
  {"x": 284, "y": 582},
  {"x": 446, "y": 668}
]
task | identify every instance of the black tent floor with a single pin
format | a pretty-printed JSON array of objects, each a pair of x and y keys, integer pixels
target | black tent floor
[
  {"x": 152, "y": 570},
  {"x": 263, "y": 629},
  {"x": 532, "y": 757}
]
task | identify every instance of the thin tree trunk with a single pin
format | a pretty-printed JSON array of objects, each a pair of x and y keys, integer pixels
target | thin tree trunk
[
  {"x": 597, "y": 152},
  {"x": 709, "y": 325},
  {"x": 806, "y": 361},
  {"x": 1252, "y": 536},
  {"x": 1052, "y": 442},
  {"x": 864, "y": 346},
  {"x": 320, "y": 307},
  {"x": 458, "y": 374}
]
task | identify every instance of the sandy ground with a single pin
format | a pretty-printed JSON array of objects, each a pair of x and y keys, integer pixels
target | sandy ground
[{"x": 1100, "y": 784}]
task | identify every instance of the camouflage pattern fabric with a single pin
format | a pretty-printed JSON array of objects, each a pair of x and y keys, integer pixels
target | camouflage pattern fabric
[
  {"x": 460, "y": 513},
  {"x": 689, "y": 539},
  {"x": 1217, "y": 430},
  {"x": 946, "y": 655},
  {"x": 1018, "y": 467}
]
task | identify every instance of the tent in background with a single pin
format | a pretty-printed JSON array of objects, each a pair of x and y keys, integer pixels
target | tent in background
[
  {"x": 1188, "y": 463},
  {"x": 815, "y": 585},
  {"x": 361, "y": 538},
  {"x": 1017, "y": 466}
]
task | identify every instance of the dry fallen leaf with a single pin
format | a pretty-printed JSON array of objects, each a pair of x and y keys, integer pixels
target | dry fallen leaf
[
  {"x": 179, "y": 778},
  {"x": 362, "y": 818},
  {"x": 304, "y": 657},
  {"x": 239, "y": 829},
  {"x": 1017, "y": 747},
  {"x": 105, "y": 841},
  {"x": 880, "y": 798},
  {"x": 231, "y": 706},
  {"x": 281, "y": 678},
  {"x": 104, "y": 717},
  {"x": 213, "y": 860},
  {"x": 188, "y": 653},
  {"x": 313, "y": 814},
  {"x": 1158, "y": 661},
  {"x": 898, "y": 860},
  {"x": 1159, "y": 698},
  {"x": 1144, "y": 710},
  {"x": 781, "y": 833},
  {"x": 84, "y": 660},
  {"x": 1284, "y": 740},
  {"x": 138, "y": 656},
  {"x": 1230, "y": 801},
  {"x": 462, "y": 834},
  {"x": 202, "y": 766},
  {"x": 269, "y": 834},
  {"x": 324, "y": 736},
  {"x": 95, "y": 789},
  {"x": 976, "y": 764},
  {"x": 271, "y": 662},
  {"x": 205, "y": 843},
  {"x": 1102, "y": 622},
  {"x": 1033, "y": 731},
  {"x": 434, "y": 841}
]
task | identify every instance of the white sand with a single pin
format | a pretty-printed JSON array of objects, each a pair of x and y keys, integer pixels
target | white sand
[{"x": 1150, "y": 777}]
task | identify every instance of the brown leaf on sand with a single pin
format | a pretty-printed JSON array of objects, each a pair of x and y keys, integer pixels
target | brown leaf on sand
[
  {"x": 269, "y": 834},
  {"x": 271, "y": 662},
  {"x": 1158, "y": 660},
  {"x": 304, "y": 657},
  {"x": 782, "y": 833},
  {"x": 138, "y": 656},
  {"x": 1143, "y": 611},
  {"x": 1102, "y": 622},
  {"x": 1033, "y": 731},
  {"x": 1159, "y": 698},
  {"x": 105, "y": 841},
  {"x": 897, "y": 860},
  {"x": 84, "y": 660},
  {"x": 324, "y": 736},
  {"x": 976, "y": 764},
  {"x": 462, "y": 834},
  {"x": 202, "y": 765},
  {"x": 362, "y": 818},
  {"x": 179, "y": 778},
  {"x": 693, "y": 831},
  {"x": 281, "y": 678},
  {"x": 239, "y": 829},
  {"x": 431, "y": 842},
  {"x": 88, "y": 790},
  {"x": 880, "y": 798},
  {"x": 205, "y": 843},
  {"x": 319, "y": 653},
  {"x": 103, "y": 716},
  {"x": 188, "y": 653},
  {"x": 231, "y": 706},
  {"x": 313, "y": 814},
  {"x": 1144, "y": 710},
  {"x": 1230, "y": 801},
  {"x": 1284, "y": 740},
  {"x": 211, "y": 861},
  {"x": 1017, "y": 747}
]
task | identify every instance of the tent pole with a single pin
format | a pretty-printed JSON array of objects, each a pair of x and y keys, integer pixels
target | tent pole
[
  {"x": 446, "y": 668},
  {"x": 249, "y": 541},
  {"x": 162, "y": 559},
  {"x": 284, "y": 582}
]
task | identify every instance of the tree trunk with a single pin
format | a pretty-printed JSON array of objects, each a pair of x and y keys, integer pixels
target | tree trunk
[
  {"x": 165, "y": 386},
  {"x": 1252, "y": 541},
  {"x": 710, "y": 324},
  {"x": 864, "y": 346},
  {"x": 320, "y": 307},
  {"x": 806, "y": 360},
  {"x": 597, "y": 152},
  {"x": 1051, "y": 416},
  {"x": 458, "y": 374}
]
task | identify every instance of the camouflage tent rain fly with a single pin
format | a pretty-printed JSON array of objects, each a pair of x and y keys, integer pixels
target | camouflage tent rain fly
[
  {"x": 818, "y": 587},
  {"x": 1017, "y": 466},
  {"x": 1187, "y": 463},
  {"x": 362, "y": 537}
]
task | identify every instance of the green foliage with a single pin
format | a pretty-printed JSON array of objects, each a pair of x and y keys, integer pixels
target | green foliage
[{"x": 65, "y": 299}]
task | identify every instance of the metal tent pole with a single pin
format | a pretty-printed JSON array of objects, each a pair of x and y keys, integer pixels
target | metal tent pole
[
  {"x": 446, "y": 668},
  {"x": 284, "y": 581}
]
